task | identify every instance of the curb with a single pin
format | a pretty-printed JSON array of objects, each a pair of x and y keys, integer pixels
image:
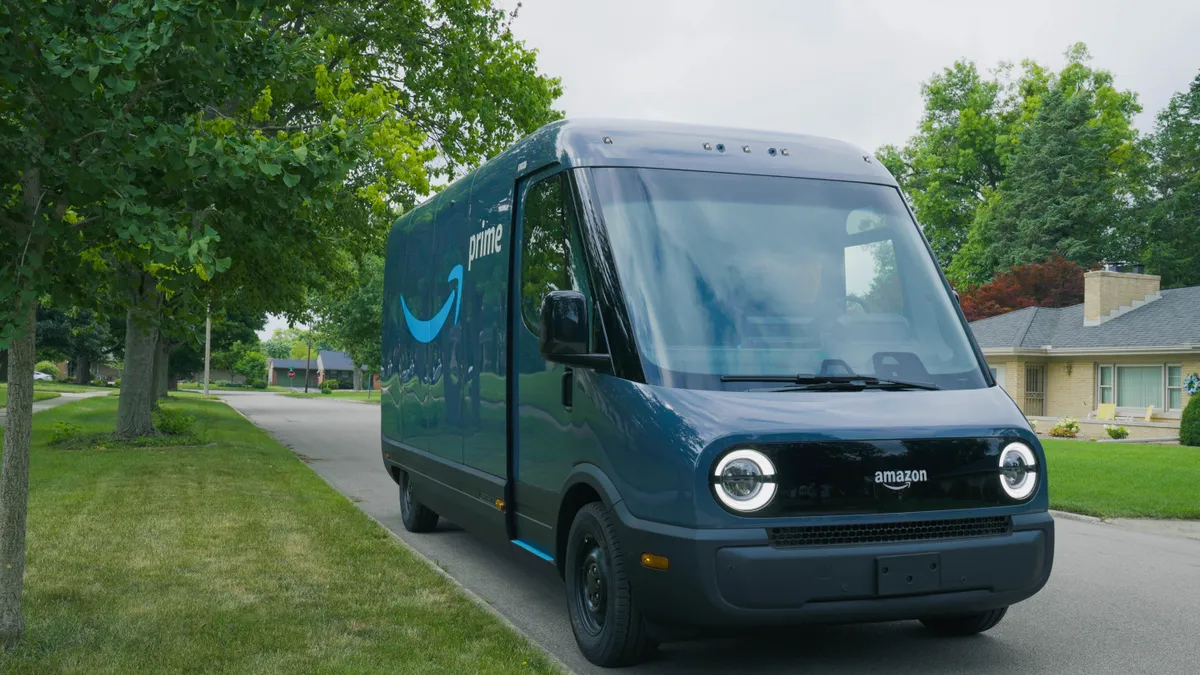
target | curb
[
  {"x": 471, "y": 595},
  {"x": 1067, "y": 515}
]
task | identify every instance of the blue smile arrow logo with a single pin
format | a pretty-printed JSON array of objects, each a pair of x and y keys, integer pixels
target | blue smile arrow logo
[{"x": 425, "y": 331}]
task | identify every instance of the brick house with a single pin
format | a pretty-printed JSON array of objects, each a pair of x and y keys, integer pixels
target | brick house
[{"x": 1128, "y": 343}]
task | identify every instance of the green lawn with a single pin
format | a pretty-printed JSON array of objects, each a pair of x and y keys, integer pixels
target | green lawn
[
  {"x": 211, "y": 387},
  {"x": 66, "y": 387},
  {"x": 340, "y": 393},
  {"x": 1124, "y": 480},
  {"x": 37, "y": 395},
  {"x": 229, "y": 556}
]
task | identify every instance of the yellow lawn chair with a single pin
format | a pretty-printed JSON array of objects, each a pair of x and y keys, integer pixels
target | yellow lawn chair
[{"x": 1104, "y": 412}]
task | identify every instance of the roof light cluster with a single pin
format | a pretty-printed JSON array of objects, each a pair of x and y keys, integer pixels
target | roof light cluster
[{"x": 720, "y": 147}]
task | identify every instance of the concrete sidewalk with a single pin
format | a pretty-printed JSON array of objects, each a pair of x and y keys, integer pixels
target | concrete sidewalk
[{"x": 63, "y": 399}]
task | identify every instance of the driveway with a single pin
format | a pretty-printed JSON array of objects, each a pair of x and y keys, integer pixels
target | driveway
[{"x": 1119, "y": 601}]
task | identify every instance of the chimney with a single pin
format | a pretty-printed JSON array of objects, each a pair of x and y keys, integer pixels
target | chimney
[{"x": 1108, "y": 293}]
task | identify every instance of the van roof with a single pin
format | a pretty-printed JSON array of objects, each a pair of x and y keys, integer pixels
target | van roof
[{"x": 586, "y": 142}]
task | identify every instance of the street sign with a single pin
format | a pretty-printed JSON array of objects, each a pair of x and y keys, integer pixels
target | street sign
[{"x": 292, "y": 373}]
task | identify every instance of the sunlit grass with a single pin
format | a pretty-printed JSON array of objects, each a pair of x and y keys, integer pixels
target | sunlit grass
[
  {"x": 229, "y": 556},
  {"x": 1124, "y": 480}
]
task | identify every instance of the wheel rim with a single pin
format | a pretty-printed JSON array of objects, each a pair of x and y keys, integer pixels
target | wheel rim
[
  {"x": 591, "y": 585},
  {"x": 406, "y": 498}
]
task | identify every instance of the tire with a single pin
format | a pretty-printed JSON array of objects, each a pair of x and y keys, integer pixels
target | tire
[
  {"x": 416, "y": 516},
  {"x": 608, "y": 626},
  {"x": 965, "y": 624}
]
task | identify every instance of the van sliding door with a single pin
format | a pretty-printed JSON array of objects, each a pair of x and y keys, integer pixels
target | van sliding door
[{"x": 550, "y": 258}]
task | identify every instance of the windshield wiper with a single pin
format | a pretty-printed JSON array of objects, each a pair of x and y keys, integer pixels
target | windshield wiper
[{"x": 830, "y": 382}]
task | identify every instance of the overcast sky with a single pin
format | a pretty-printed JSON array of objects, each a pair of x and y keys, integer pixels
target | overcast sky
[{"x": 849, "y": 70}]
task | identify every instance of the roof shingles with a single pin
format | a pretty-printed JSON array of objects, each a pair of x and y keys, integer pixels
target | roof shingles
[{"x": 1172, "y": 321}]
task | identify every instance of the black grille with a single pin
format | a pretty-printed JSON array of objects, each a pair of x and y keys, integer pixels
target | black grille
[{"x": 879, "y": 533}]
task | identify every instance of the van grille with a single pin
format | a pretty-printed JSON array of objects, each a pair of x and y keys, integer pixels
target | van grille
[{"x": 879, "y": 533}]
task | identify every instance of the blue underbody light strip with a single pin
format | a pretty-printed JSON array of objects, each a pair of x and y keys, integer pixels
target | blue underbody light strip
[{"x": 533, "y": 550}]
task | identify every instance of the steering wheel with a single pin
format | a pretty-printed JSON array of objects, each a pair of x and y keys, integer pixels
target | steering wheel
[{"x": 858, "y": 301}]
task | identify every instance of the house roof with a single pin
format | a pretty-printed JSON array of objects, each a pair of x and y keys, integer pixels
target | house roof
[
  {"x": 297, "y": 364},
  {"x": 328, "y": 360},
  {"x": 1172, "y": 321}
]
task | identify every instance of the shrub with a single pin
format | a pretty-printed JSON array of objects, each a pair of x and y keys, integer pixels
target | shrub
[
  {"x": 1032, "y": 425},
  {"x": 99, "y": 383},
  {"x": 1189, "y": 425},
  {"x": 1116, "y": 432},
  {"x": 329, "y": 384},
  {"x": 117, "y": 383},
  {"x": 63, "y": 432},
  {"x": 326, "y": 390},
  {"x": 1065, "y": 428},
  {"x": 173, "y": 422},
  {"x": 259, "y": 384},
  {"x": 48, "y": 368}
]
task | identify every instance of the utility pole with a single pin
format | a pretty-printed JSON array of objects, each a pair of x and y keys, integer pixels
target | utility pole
[
  {"x": 307, "y": 360},
  {"x": 207, "y": 347}
]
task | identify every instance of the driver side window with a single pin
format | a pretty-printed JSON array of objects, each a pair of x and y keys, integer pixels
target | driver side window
[{"x": 551, "y": 257}]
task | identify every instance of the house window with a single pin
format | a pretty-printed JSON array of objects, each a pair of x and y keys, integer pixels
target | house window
[
  {"x": 1139, "y": 386},
  {"x": 1106, "y": 384},
  {"x": 1174, "y": 387}
]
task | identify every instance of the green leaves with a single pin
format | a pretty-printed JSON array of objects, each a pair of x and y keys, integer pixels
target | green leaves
[
  {"x": 291, "y": 180},
  {"x": 270, "y": 169}
]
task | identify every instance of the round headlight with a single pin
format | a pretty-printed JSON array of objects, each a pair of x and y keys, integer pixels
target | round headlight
[
  {"x": 744, "y": 480},
  {"x": 1018, "y": 470}
]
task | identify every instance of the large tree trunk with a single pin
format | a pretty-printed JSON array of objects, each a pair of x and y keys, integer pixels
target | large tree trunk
[
  {"x": 83, "y": 370},
  {"x": 14, "y": 481},
  {"x": 137, "y": 380},
  {"x": 3, "y": 365},
  {"x": 358, "y": 379}
]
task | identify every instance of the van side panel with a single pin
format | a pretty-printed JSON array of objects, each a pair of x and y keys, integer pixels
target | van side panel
[
  {"x": 485, "y": 325},
  {"x": 448, "y": 259}
]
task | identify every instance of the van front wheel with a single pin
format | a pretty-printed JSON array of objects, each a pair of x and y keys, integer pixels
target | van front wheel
[
  {"x": 965, "y": 624},
  {"x": 605, "y": 619},
  {"x": 416, "y": 516}
]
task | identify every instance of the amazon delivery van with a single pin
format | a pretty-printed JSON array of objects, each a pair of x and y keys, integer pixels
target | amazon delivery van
[{"x": 715, "y": 378}]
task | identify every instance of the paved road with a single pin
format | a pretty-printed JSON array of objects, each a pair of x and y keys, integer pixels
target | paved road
[{"x": 1118, "y": 601}]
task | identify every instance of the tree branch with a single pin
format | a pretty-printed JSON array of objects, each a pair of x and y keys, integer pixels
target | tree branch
[{"x": 141, "y": 91}]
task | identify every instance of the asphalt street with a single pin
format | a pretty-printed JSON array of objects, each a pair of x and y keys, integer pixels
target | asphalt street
[{"x": 1119, "y": 601}]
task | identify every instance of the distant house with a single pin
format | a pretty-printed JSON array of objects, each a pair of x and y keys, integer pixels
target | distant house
[
  {"x": 338, "y": 366},
  {"x": 328, "y": 365},
  {"x": 279, "y": 370},
  {"x": 1129, "y": 343}
]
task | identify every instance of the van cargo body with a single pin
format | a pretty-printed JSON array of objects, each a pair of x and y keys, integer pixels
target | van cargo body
[{"x": 716, "y": 378}]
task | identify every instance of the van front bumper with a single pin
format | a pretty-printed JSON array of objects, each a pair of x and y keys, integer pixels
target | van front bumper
[{"x": 735, "y": 577}]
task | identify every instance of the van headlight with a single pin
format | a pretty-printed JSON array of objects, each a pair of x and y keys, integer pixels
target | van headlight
[
  {"x": 744, "y": 480},
  {"x": 1018, "y": 470}
]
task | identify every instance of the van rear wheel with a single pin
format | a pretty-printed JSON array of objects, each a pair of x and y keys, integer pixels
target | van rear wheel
[
  {"x": 608, "y": 626},
  {"x": 965, "y": 624},
  {"x": 416, "y": 516}
]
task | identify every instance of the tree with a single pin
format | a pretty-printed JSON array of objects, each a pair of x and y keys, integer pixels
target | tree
[
  {"x": 79, "y": 335},
  {"x": 1169, "y": 244},
  {"x": 251, "y": 365},
  {"x": 1057, "y": 282},
  {"x": 352, "y": 319},
  {"x": 149, "y": 151},
  {"x": 958, "y": 171}
]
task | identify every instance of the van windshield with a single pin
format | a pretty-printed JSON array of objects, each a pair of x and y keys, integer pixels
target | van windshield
[{"x": 739, "y": 275}]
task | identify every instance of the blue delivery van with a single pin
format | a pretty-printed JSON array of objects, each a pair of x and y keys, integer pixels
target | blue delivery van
[{"x": 716, "y": 378}]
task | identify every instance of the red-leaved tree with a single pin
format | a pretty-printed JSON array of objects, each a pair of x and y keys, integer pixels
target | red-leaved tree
[{"x": 1057, "y": 282}]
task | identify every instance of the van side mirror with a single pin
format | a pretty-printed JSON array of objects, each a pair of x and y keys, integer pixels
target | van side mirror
[{"x": 563, "y": 331}]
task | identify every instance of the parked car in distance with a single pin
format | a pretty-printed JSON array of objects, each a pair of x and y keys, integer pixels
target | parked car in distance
[{"x": 42, "y": 377}]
